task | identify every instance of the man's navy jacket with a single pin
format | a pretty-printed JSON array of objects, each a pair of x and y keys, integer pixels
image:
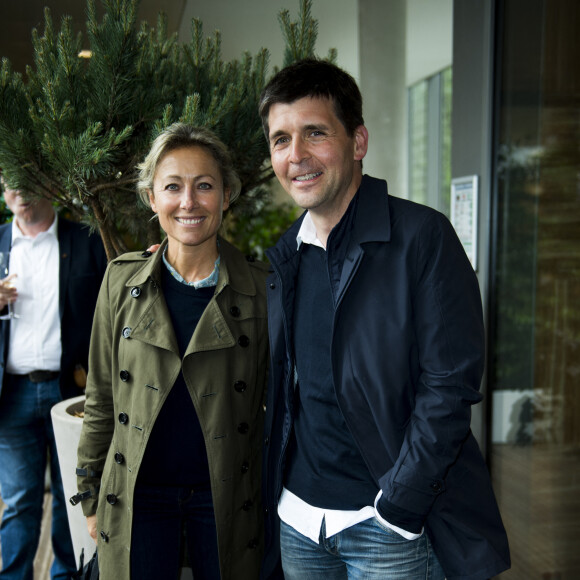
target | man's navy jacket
[
  {"x": 407, "y": 361},
  {"x": 82, "y": 264}
]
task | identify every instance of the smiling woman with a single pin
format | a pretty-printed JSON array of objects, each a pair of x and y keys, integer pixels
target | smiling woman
[
  {"x": 189, "y": 197},
  {"x": 174, "y": 408}
]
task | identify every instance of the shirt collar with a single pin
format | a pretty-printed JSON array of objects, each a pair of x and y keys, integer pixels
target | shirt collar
[
  {"x": 51, "y": 231},
  {"x": 307, "y": 233},
  {"x": 211, "y": 280}
]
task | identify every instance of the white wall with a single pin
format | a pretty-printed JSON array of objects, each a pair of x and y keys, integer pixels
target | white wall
[
  {"x": 250, "y": 25},
  {"x": 429, "y": 38}
]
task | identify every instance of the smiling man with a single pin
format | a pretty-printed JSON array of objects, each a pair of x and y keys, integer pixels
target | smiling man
[{"x": 377, "y": 346}]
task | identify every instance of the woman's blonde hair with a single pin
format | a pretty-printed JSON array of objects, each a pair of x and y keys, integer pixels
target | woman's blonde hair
[{"x": 181, "y": 135}]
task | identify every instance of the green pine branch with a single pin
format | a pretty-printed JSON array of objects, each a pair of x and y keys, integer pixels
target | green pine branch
[{"x": 73, "y": 130}]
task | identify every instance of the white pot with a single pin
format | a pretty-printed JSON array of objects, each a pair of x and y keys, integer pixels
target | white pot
[{"x": 67, "y": 433}]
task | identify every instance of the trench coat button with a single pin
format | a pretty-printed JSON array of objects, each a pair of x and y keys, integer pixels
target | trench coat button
[
  {"x": 125, "y": 376},
  {"x": 436, "y": 486},
  {"x": 123, "y": 418},
  {"x": 135, "y": 291},
  {"x": 119, "y": 458},
  {"x": 104, "y": 536},
  {"x": 272, "y": 286},
  {"x": 267, "y": 441},
  {"x": 127, "y": 332},
  {"x": 112, "y": 498},
  {"x": 250, "y": 258},
  {"x": 243, "y": 428},
  {"x": 244, "y": 341},
  {"x": 245, "y": 467},
  {"x": 247, "y": 505},
  {"x": 240, "y": 386},
  {"x": 146, "y": 254},
  {"x": 253, "y": 544},
  {"x": 235, "y": 311}
]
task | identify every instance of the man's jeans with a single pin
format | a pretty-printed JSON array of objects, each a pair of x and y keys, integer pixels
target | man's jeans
[
  {"x": 25, "y": 436},
  {"x": 365, "y": 551}
]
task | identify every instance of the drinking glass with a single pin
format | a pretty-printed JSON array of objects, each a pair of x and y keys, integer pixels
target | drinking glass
[{"x": 4, "y": 261}]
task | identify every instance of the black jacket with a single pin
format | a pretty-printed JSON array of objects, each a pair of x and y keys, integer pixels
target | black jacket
[
  {"x": 82, "y": 266},
  {"x": 407, "y": 360}
]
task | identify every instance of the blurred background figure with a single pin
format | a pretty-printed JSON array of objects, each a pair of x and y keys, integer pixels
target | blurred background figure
[{"x": 57, "y": 268}]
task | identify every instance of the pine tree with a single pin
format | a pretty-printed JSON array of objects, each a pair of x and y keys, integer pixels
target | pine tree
[{"x": 74, "y": 129}]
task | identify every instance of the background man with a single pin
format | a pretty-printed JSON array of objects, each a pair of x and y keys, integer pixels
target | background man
[
  {"x": 58, "y": 268},
  {"x": 377, "y": 346}
]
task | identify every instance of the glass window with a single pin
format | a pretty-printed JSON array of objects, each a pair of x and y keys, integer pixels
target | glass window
[
  {"x": 430, "y": 141},
  {"x": 534, "y": 355}
]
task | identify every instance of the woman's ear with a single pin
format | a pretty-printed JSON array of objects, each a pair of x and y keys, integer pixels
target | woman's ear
[
  {"x": 226, "y": 203},
  {"x": 152, "y": 200}
]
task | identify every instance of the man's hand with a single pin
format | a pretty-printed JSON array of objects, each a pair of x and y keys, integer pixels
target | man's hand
[
  {"x": 8, "y": 292},
  {"x": 92, "y": 526}
]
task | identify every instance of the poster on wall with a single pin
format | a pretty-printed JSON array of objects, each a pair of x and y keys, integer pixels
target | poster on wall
[{"x": 464, "y": 214}]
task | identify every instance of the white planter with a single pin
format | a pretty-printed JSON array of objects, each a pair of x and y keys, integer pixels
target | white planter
[{"x": 67, "y": 433}]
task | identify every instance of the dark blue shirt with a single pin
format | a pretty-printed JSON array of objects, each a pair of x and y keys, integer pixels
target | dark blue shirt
[
  {"x": 324, "y": 466},
  {"x": 177, "y": 433}
]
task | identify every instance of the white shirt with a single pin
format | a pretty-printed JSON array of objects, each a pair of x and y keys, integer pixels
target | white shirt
[
  {"x": 35, "y": 337},
  {"x": 303, "y": 517}
]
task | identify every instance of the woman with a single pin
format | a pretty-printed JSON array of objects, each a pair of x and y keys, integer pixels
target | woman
[{"x": 177, "y": 372}]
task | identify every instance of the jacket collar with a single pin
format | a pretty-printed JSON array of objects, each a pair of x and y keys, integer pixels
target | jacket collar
[
  {"x": 234, "y": 270},
  {"x": 372, "y": 222}
]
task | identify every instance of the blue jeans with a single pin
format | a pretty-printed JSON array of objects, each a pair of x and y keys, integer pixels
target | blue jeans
[
  {"x": 160, "y": 514},
  {"x": 365, "y": 551},
  {"x": 25, "y": 437}
]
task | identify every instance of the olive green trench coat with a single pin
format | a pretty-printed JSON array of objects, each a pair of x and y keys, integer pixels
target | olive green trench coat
[{"x": 134, "y": 361}]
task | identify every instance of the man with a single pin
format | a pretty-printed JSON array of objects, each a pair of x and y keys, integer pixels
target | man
[
  {"x": 377, "y": 346},
  {"x": 57, "y": 268}
]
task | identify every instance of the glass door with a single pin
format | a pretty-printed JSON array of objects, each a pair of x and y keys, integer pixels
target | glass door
[{"x": 534, "y": 330}]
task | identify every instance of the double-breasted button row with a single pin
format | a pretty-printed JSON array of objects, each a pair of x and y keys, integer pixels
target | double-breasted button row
[
  {"x": 119, "y": 458},
  {"x": 240, "y": 386},
  {"x": 104, "y": 536},
  {"x": 243, "y": 428},
  {"x": 123, "y": 418},
  {"x": 126, "y": 332},
  {"x": 245, "y": 467},
  {"x": 124, "y": 375},
  {"x": 112, "y": 498}
]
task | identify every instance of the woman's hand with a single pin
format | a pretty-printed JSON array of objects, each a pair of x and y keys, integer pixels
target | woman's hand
[
  {"x": 8, "y": 292},
  {"x": 92, "y": 526}
]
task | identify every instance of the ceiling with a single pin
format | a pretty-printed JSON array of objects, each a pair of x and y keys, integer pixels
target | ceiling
[{"x": 19, "y": 17}]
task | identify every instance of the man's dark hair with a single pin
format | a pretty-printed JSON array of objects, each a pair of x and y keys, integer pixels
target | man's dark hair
[{"x": 316, "y": 79}]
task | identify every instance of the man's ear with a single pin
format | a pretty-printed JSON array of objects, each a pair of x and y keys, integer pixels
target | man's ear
[{"x": 361, "y": 142}]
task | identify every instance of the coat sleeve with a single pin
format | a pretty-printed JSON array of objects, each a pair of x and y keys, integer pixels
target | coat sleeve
[
  {"x": 98, "y": 423},
  {"x": 448, "y": 326}
]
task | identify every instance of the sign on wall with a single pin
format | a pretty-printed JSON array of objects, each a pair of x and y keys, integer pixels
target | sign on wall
[{"x": 464, "y": 214}]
